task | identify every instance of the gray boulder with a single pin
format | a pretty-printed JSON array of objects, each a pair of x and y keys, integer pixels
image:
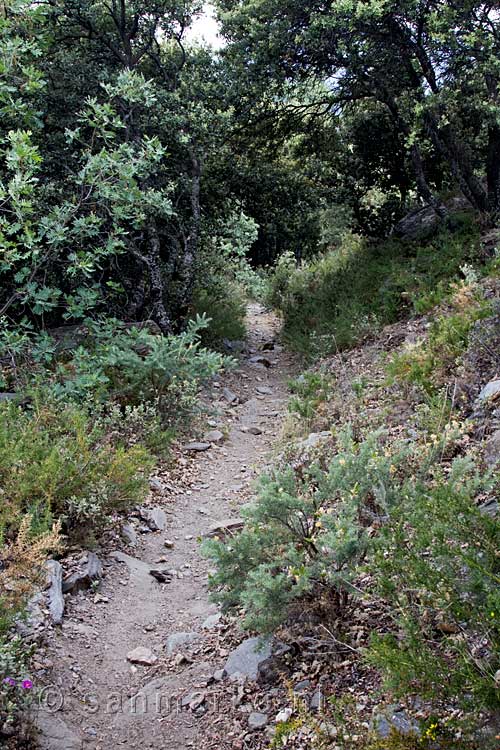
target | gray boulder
[
  {"x": 257, "y": 720},
  {"x": 395, "y": 719},
  {"x": 197, "y": 447},
  {"x": 248, "y": 657},
  {"x": 215, "y": 436},
  {"x": 156, "y": 518},
  {"x": 419, "y": 223},
  {"x": 490, "y": 391},
  {"x": 54, "y": 733},
  {"x": 129, "y": 535},
  {"x": 492, "y": 449}
]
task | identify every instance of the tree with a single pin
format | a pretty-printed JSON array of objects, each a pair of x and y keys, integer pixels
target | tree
[
  {"x": 414, "y": 58},
  {"x": 108, "y": 189}
]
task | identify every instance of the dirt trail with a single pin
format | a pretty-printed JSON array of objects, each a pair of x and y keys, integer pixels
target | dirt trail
[{"x": 91, "y": 672}]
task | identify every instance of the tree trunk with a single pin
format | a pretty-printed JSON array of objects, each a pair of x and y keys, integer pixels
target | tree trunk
[
  {"x": 188, "y": 271},
  {"x": 423, "y": 186},
  {"x": 153, "y": 262},
  {"x": 454, "y": 151}
]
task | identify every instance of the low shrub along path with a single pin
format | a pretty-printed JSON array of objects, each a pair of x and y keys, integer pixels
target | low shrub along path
[{"x": 103, "y": 700}]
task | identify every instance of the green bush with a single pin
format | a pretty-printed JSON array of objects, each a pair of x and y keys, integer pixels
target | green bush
[
  {"x": 436, "y": 565},
  {"x": 310, "y": 391},
  {"x": 56, "y": 463},
  {"x": 226, "y": 278},
  {"x": 134, "y": 367},
  {"x": 305, "y": 536},
  {"x": 335, "y": 300},
  {"x": 222, "y": 302}
]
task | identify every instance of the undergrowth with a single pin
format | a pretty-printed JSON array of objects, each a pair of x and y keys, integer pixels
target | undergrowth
[{"x": 337, "y": 299}]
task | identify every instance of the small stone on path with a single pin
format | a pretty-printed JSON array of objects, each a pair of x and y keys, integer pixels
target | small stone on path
[
  {"x": 142, "y": 655},
  {"x": 176, "y": 640},
  {"x": 215, "y": 436},
  {"x": 197, "y": 447},
  {"x": 247, "y": 658},
  {"x": 257, "y": 720}
]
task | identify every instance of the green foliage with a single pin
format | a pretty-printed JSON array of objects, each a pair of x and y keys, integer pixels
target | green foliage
[
  {"x": 309, "y": 391},
  {"x": 337, "y": 299},
  {"x": 225, "y": 311},
  {"x": 226, "y": 278},
  {"x": 14, "y": 665},
  {"x": 431, "y": 733},
  {"x": 55, "y": 464},
  {"x": 80, "y": 233},
  {"x": 305, "y": 535},
  {"x": 428, "y": 363},
  {"x": 436, "y": 564},
  {"x": 398, "y": 91},
  {"x": 114, "y": 364}
]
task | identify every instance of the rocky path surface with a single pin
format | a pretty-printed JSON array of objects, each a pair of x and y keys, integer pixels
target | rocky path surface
[{"x": 99, "y": 694}]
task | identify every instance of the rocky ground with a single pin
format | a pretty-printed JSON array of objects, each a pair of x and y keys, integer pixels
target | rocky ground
[{"x": 140, "y": 644}]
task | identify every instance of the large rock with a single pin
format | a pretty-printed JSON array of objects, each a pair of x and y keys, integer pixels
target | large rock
[
  {"x": 248, "y": 657},
  {"x": 256, "y": 720},
  {"x": 492, "y": 449},
  {"x": 419, "y": 223},
  {"x": 54, "y": 733},
  {"x": 32, "y": 624},
  {"x": 490, "y": 392},
  {"x": 197, "y": 447},
  {"x": 230, "y": 397},
  {"x": 129, "y": 534},
  {"x": 85, "y": 577},
  {"x": 234, "y": 346},
  {"x": 143, "y": 656},
  {"x": 55, "y": 598},
  {"x": 212, "y": 621},
  {"x": 139, "y": 570},
  {"x": 395, "y": 720},
  {"x": 215, "y": 436},
  {"x": 251, "y": 430}
]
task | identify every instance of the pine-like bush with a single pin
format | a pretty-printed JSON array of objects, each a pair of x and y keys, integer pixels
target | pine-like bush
[
  {"x": 305, "y": 536},
  {"x": 437, "y": 567}
]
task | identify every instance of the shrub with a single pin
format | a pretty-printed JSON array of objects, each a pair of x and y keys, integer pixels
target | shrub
[
  {"x": 113, "y": 363},
  {"x": 135, "y": 367},
  {"x": 21, "y": 567},
  {"x": 55, "y": 464},
  {"x": 310, "y": 391},
  {"x": 222, "y": 302},
  {"x": 337, "y": 299},
  {"x": 21, "y": 571},
  {"x": 306, "y": 536},
  {"x": 437, "y": 566}
]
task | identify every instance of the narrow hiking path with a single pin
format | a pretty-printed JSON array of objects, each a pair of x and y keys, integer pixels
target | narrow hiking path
[{"x": 92, "y": 683}]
